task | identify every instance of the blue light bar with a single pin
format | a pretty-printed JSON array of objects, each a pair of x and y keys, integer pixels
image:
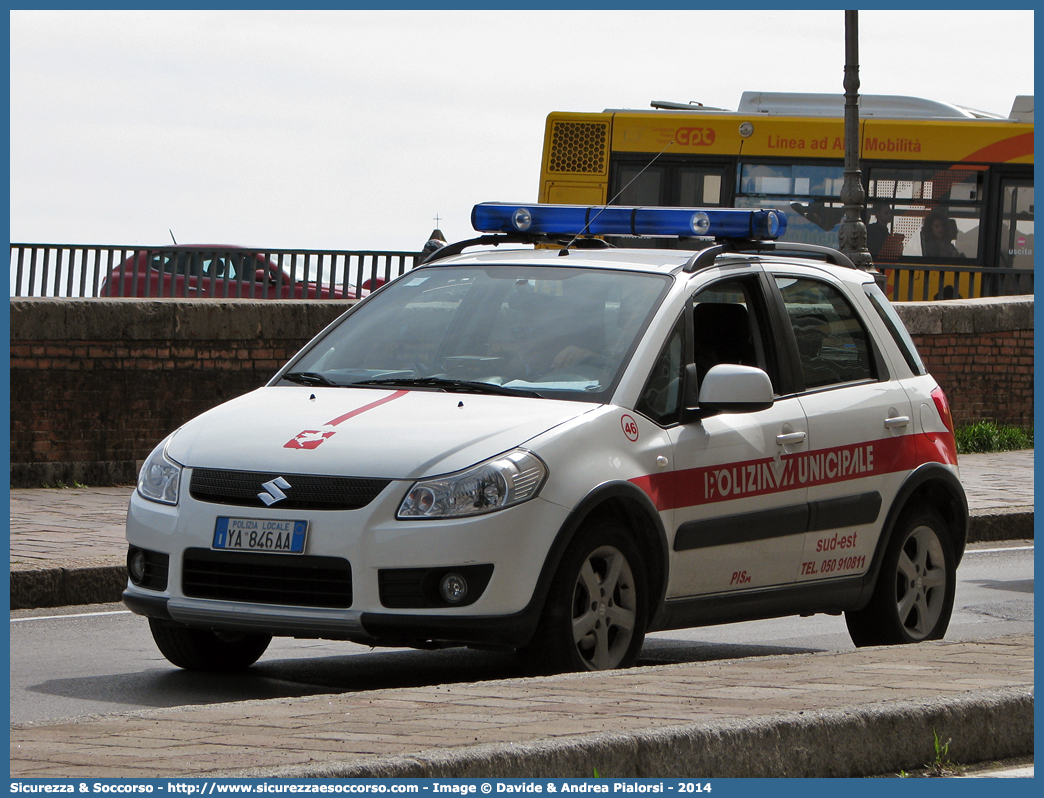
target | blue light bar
[{"x": 619, "y": 220}]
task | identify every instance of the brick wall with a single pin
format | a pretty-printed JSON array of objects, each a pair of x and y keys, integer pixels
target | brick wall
[
  {"x": 97, "y": 383},
  {"x": 981, "y": 352}
]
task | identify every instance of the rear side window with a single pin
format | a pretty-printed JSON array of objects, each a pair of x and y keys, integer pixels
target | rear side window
[
  {"x": 833, "y": 347},
  {"x": 895, "y": 327}
]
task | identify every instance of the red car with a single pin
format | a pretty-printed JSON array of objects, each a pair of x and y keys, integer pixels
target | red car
[{"x": 211, "y": 271}]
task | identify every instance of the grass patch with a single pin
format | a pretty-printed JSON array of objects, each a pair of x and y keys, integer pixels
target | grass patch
[
  {"x": 60, "y": 485},
  {"x": 986, "y": 436}
]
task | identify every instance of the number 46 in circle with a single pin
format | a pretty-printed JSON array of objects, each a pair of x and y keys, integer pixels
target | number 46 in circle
[{"x": 630, "y": 428}]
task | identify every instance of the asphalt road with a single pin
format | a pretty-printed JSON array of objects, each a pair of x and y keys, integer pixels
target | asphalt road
[{"x": 101, "y": 659}]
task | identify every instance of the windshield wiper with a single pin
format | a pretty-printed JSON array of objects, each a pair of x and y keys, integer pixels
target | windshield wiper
[
  {"x": 450, "y": 385},
  {"x": 310, "y": 378}
]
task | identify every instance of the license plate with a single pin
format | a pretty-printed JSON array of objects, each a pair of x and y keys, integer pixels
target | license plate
[{"x": 260, "y": 534}]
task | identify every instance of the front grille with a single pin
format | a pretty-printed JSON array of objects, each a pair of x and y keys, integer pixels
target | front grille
[
  {"x": 290, "y": 579},
  {"x": 578, "y": 147},
  {"x": 242, "y": 488}
]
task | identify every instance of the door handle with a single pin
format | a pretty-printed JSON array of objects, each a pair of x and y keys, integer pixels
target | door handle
[
  {"x": 790, "y": 438},
  {"x": 897, "y": 421}
]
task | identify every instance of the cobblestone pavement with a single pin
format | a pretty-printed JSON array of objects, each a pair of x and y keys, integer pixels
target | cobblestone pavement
[{"x": 861, "y": 712}]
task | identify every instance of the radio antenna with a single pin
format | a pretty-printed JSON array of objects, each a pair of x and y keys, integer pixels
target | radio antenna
[
  {"x": 172, "y": 236},
  {"x": 565, "y": 250}
]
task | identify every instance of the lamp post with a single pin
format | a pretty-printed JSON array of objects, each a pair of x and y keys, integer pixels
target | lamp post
[{"x": 852, "y": 233}]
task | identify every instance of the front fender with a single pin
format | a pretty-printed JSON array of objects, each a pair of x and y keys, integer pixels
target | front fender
[
  {"x": 934, "y": 484},
  {"x": 617, "y": 497}
]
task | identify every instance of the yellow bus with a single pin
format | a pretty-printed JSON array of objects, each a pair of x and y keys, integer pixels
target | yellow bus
[{"x": 949, "y": 191}]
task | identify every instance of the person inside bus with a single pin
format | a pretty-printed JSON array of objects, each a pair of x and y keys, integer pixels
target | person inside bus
[
  {"x": 937, "y": 236},
  {"x": 878, "y": 233}
]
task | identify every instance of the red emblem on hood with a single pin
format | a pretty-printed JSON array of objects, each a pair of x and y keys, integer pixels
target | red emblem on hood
[{"x": 309, "y": 439}]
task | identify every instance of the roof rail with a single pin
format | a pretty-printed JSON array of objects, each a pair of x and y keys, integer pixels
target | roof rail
[
  {"x": 705, "y": 258},
  {"x": 496, "y": 239}
]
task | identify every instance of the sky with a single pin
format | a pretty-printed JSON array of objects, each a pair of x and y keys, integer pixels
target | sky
[{"x": 358, "y": 129}]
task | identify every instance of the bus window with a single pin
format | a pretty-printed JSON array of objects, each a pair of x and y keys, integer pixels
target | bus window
[
  {"x": 1016, "y": 233},
  {"x": 927, "y": 184},
  {"x": 920, "y": 231},
  {"x": 936, "y": 212},
  {"x": 666, "y": 183},
  {"x": 699, "y": 187},
  {"x": 799, "y": 180},
  {"x": 638, "y": 187},
  {"x": 808, "y": 194}
]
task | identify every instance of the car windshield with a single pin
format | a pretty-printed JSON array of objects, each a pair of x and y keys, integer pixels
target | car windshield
[{"x": 547, "y": 331}]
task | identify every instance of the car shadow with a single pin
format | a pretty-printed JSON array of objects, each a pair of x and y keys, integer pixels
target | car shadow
[
  {"x": 1017, "y": 586},
  {"x": 165, "y": 687},
  {"x": 664, "y": 651}
]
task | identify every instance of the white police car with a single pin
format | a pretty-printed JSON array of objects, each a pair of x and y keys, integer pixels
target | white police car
[{"x": 559, "y": 450}]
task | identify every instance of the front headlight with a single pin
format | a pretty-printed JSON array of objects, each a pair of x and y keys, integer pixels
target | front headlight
[
  {"x": 509, "y": 479},
  {"x": 160, "y": 476}
]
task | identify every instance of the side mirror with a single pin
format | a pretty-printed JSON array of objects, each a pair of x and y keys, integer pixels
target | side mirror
[
  {"x": 263, "y": 276},
  {"x": 728, "y": 388},
  {"x": 374, "y": 284}
]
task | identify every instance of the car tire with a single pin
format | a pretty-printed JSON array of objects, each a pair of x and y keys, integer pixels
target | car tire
[
  {"x": 595, "y": 614},
  {"x": 204, "y": 650},
  {"x": 913, "y": 597}
]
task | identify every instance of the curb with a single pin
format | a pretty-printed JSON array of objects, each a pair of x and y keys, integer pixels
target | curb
[
  {"x": 103, "y": 582},
  {"x": 62, "y": 586},
  {"x": 874, "y": 740},
  {"x": 1000, "y": 523}
]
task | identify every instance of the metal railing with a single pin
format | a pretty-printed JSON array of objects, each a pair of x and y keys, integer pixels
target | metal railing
[
  {"x": 66, "y": 270},
  {"x": 929, "y": 283},
  {"x": 60, "y": 270}
]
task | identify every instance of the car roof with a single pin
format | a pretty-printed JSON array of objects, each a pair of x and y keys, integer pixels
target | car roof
[{"x": 660, "y": 261}]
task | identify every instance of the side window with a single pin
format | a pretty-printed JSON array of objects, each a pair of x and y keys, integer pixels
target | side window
[
  {"x": 661, "y": 398},
  {"x": 186, "y": 263},
  {"x": 809, "y": 194},
  {"x": 1016, "y": 233},
  {"x": 924, "y": 212},
  {"x": 236, "y": 263},
  {"x": 671, "y": 183},
  {"x": 638, "y": 185},
  {"x": 832, "y": 342},
  {"x": 727, "y": 327}
]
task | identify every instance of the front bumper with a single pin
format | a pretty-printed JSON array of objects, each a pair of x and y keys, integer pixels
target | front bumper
[
  {"x": 509, "y": 547},
  {"x": 367, "y": 628}
]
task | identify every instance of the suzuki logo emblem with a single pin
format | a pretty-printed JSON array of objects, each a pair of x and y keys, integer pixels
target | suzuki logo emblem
[{"x": 274, "y": 491}]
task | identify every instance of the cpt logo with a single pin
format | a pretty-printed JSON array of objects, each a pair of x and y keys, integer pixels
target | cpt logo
[
  {"x": 309, "y": 439},
  {"x": 694, "y": 136}
]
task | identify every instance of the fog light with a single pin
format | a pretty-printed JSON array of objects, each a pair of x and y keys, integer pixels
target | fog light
[
  {"x": 136, "y": 565},
  {"x": 454, "y": 588}
]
